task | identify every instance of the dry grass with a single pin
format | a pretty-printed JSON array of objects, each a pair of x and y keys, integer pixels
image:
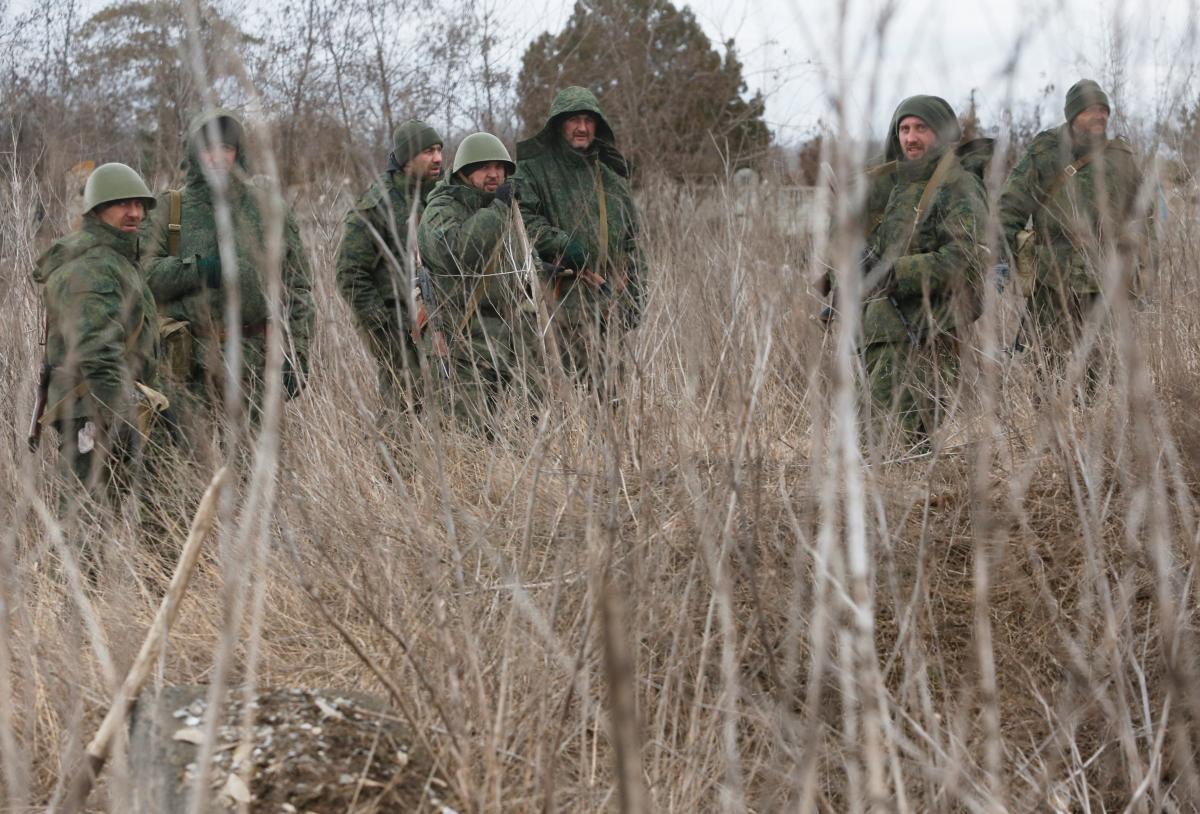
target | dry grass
[{"x": 701, "y": 600}]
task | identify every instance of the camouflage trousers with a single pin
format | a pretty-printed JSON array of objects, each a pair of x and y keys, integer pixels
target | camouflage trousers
[
  {"x": 909, "y": 389},
  {"x": 1053, "y": 329}
]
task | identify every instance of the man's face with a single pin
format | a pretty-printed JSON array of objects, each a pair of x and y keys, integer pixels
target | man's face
[
  {"x": 487, "y": 176},
  {"x": 125, "y": 216},
  {"x": 219, "y": 159},
  {"x": 916, "y": 137},
  {"x": 579, "y": 129},
  {"x": 425, "y": 165},
  {"x": 1091, "y": 125}
]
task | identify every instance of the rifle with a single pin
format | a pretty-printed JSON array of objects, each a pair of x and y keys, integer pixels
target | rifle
[
  {"x": 433, "y": 319},
  {"x": 908, "y": 326},
  {"x": 39, "y": 406},
  {"x": 553, "y": 271}
]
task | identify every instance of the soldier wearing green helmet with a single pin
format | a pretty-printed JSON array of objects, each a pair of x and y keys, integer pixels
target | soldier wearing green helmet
[
  {"x": 374, "y": 269},
  {"x": 1068, "y": 208},
  {"x": 186, "y": 267},
  {"x": 484, "y": 311},
  {"x": 101, "y": 358}
]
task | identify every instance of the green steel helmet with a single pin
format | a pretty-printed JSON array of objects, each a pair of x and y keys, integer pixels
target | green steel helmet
[
  {"x": 478, "y": 148},
  {"x": 115, "y": 182}
]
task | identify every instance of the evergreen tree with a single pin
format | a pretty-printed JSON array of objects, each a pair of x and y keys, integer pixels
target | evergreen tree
[{"x": 675, "y": 102}]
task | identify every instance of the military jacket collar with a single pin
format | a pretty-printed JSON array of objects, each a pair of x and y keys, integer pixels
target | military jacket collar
[
  {"x": 123, "y": 243},
  {"x": 921, "y": 169}
]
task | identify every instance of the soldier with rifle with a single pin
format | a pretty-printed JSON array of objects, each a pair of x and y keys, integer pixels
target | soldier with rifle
[
  {"x": 924, "y": 266},
  {"x": 100, "y": 370},
  {"x": 484, "y": 311}
]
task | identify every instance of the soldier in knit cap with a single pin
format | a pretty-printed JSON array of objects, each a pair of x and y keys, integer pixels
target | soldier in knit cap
[
  {"x": 924, "y": 264},
  {"x": 373, "y": 264},
  {"x": 1070, "y": 201}
]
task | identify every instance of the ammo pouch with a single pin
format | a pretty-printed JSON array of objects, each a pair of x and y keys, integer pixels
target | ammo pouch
[
  {"x": 1026, "y": 260},
  {"x": 175, "y": 336}
]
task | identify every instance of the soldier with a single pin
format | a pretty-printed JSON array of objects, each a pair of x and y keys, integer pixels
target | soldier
[
  {"x": 580, "y": 214},
  {"x": 182, "y": 262},
  {"x": 101, "y": 336},
  {"x": 483, "y": 308},
  {"x": 924, "y": 264},
  {"x": 372, "y": 271},
  {"x": 1081, "y": 190}
]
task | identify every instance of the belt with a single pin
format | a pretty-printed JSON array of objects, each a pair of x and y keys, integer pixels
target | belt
[{"x": 248, "y": 331}]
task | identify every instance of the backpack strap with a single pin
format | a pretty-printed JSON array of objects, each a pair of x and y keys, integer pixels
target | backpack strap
[
  {"x": 935, "y": 181},
  {"x": 174, "y": 220},
  {"x": 1067, "y": 173}
]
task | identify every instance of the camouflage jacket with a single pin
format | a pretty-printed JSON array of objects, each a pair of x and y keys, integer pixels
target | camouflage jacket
[
  {"x": 101, "y": 323},
  {"x": 468, "y": 246},
  {"x": 182, "y": 292},
  {"x": 936, "y": 270},
  {"x": 1076, "y": 220},
  {"x": 373, "y": 253},
  {"x": 560, "y": 197}
]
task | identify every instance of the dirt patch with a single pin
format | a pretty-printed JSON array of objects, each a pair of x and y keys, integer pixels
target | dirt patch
[{"x": 313, "y": 752}]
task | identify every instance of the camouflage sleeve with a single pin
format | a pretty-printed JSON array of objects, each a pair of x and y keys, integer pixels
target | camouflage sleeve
[
  {"x": 457, "y": 248},
  {"x": 297, "y": 286},
  {"x": 97, "y": 334},
  {"x": 547, "y": 241},
  {"x": 358, "y": 254},
  {"x": 1018, "y": 199},
  {"x": 960, "y": 257},
  {"x": 169, "y": 277}
]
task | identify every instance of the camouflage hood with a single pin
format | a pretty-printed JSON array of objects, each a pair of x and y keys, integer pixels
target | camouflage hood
[
  {"x": 934, "y": 111},
  {"x": 91, "y": 233},
  {"x": 195, "y": 137},
  {"x": 575, "y": 100}
]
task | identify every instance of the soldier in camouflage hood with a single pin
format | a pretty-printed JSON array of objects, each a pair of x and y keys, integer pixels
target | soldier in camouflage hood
[
  {"x": 372, "y": 265},
  {"x": 484, "y": 309},
  {"x": 925, "y": 262},
  {"x": 183, "y": 267},
  {"x": 1080, "y": 188},
  {"x": 101, "y": 334},
  {"x": 579, "y": 212}
]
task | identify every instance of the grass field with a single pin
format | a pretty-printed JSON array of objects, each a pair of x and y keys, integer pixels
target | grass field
[{"x": 714, "y": 597}]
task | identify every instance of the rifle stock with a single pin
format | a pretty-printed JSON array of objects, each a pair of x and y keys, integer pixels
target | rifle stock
[{"x": 39, "y": 407}]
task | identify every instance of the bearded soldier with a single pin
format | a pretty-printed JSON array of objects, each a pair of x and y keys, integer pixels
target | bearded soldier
[
  {"x": 924, "y": 265},
  {"x": 101, "y": 335},
  {"x": 1080, "y": 188},
  {"x": 184, "y": 267},
  {"x": 484, "y": 310},
  {"x": 580, "y": 215},
  {"x": 372, "y": 265}
]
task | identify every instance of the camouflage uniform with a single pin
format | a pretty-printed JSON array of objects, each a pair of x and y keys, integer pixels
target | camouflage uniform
[
  {"x": 933, "y": 279},
  {"x": 484, "y": 309},
  {"x": 372, "y": 271},
  {"x": 186, "y": 291},
  {"x": 1079, "y": 216},
  {"x": 566, "y": 196},
  {"x": 101, "y": 338}
]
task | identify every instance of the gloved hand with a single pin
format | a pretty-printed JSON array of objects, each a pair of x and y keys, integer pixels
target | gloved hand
[
  {"x": 293, "y": 380},
  {"x": 508, "y": 192},
  {"x": 209, "y": 269},
  {"x": 1002, "y": 275},
  {"x": 575, "y": 255}
]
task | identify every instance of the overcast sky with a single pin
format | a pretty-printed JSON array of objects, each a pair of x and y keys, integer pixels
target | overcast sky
[{"x": 944, "y": 47}]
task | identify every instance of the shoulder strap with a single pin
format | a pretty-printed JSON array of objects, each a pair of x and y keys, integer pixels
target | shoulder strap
[
  {"x": 174, "y": 220},
  {"x": 939, "y": 176},
  {"x": 602, "y": 226},
  {"x": 1067, "y": 173}
]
